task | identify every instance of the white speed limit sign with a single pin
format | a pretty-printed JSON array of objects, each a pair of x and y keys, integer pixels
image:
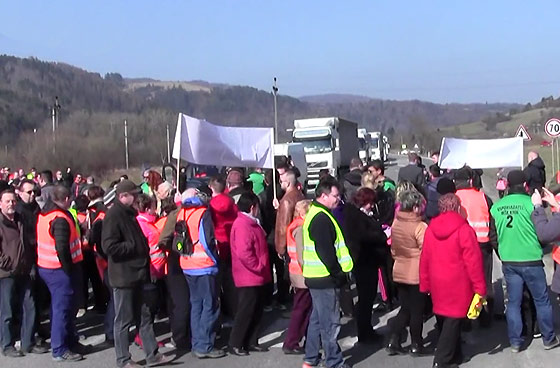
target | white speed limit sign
[{"x": 552, "y": 127}]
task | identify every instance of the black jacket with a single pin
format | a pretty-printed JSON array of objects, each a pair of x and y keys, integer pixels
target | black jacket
[
  {"x": 536, "y": 175},
  {"x": 413, "y": 174},
  {"x": 29, "y": 212},
  {"x": 352, "y": 182},
  {"x": 323, "y": 234},
  {"x": 94, "y": 235},
  {"x": 432, "y": 197},
  {"x": 126, "y": 247},
  {"x": 365, "y": 239},
  {"x": 60, "y": 231}
]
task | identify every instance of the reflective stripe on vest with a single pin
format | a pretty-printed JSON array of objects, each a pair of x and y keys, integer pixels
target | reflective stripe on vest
[
  {"x": 312, "y": 265},
  {"x": 198, "y": 259},
  {"x": 47, "y": 256},
  {"x": 158, "y": 258},
  {"x": 478, "y": 213},
  {"x": 294, "y": 266}
]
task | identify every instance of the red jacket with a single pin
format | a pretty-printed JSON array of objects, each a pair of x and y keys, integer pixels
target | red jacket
[
  {"x": 451, "y": 265},
  {"x": 224, "y": 212},
  {"x": 249, "y": 253}
]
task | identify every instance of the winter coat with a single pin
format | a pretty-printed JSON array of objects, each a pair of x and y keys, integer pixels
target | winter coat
[
  {"x": 414, "y": 174},
  {"x": 29, "y": 214},
  {"x": 126, "y": 247},
  {"x": 224, "y": 212},
  {"x": 284, "y": 217},
  {"x": 432, "y": 197},
  {"x": 249, "y": 252},
  {"x": 352, "y": 182},
  {"x": 536, "y": 174},
  {"x": 15, "y": 257},
  {"x": 364, "y": 237},
  {"x": 451, "y": 265},
  {"x": 407, "y": 238}
]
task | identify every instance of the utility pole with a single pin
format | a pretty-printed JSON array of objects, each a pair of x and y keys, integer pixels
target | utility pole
[
  {"x": 126, "y": 143},
  {"x": 55, "y": 112},
  {"x": 275, "y": 93},
  {"x": 168, "y": 146}
]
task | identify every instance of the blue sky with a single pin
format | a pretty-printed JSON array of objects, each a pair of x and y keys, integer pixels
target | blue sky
[{"x": 441, "y": 51}]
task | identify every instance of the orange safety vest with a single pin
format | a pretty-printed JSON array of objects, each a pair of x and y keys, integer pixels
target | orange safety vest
[
  {"x": 478, "y": 213},
  {"x": 47, "y": 257},
  {"x": 294, "y": 266},
  {"x": 160, "y": 223},
  {"x": 158, "y": 258},
  {"x": 100, "y": 262},
  {"x": 198, "y": 259}
]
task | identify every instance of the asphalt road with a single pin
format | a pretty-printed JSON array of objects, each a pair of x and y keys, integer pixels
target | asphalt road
[{"x": 487, "y": 347}]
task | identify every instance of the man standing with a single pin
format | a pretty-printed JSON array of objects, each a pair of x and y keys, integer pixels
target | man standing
[
  {"x": 377, "y": 169},
  {"x": 234, "y": 183},
  {"x": 59, "y": 255},
  {"x": 477, "y": 207},
  {"x": 521, "y": 255},
  {"x": 535, "y": 172},
  {"x": 129, "y": 270},
  {"x": 285, "y": 215},
  {"x": 326, "y": 263},
  {"x": 432, "y": 195},
  {"x": 200, "y": 266},
  {"x": 45, "y": 181},
  {"x": 413, "y": 173},
  {"x": 353, "y": 179},
  {"x": 17, "y": 259}
]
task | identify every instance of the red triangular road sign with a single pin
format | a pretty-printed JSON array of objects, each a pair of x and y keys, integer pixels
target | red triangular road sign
[{"x": 523, "y": 133}]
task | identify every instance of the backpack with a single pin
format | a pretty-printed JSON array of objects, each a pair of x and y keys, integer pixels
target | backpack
[{"x": 182, "y": 241}]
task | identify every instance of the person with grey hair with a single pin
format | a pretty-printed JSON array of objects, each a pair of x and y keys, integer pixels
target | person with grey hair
[
  {"x": 407, "y": 240},
  {"x": 199, "y": 263}
]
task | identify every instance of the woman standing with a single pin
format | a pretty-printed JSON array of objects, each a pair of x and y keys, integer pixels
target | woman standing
[
  {"x": 407, "y": 240},
  {"x": 451, "y": 271}
]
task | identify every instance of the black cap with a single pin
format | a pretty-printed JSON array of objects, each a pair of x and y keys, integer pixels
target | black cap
[
  {"x": 516, "y": 177},
  {"x": 463, "y": 174},
  {"x": 445, "y": 186},
  {"x": 127, "y": 186}
]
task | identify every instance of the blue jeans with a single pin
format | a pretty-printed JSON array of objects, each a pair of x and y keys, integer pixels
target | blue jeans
[
  {"x": 15, "y": 297},
  {"x": 324, "y": 326},
  {"x": 63, "y": 289},
  {"x": 204, "y": 311},
  {"x": 535, "y": 279}
]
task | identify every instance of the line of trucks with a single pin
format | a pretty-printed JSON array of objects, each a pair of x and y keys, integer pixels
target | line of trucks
[{"x": 329, "y": 144}]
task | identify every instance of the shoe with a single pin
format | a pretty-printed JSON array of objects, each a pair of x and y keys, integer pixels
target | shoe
[
  {"x": 132, "y": 364},
  {"x": 267, "y": 308},
  {"x": 516, "y": 349},
  {"x": 81, "y": 313},
  {"x": 258, "y": 349},
  {"x": 281, "y": 307},
  {"x": 12, "y": 352},
  {"x": 69, "y": 356},
  {"x": 394, "y": 346},
  {"x": 551, "y": 345},
  {"x": 308, "y": 365},
  {"x": 416, "y": 350},
  {"x": 295, "y": 351},
  {"x": 138, "y": 341},
  {"x": 37, "y": 349},
  {"x": 82, "y": 349},
  {"x": 440, "y": 365},
  {"x": 212, "y": 354},
  {"x": 159, "y": 359},
  {"x": 239, "y": 351}
]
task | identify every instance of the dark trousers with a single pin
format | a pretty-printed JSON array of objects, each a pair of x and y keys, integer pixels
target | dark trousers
[
  {"x": 248, "y": 317},
  {"x": 366, "y": 283},
  {"x": 282, "y": 282},
  {"x": 228, "y": 295},
  {"x": 109, "y": 320},
  {"x": 91, "y": 274},
  {"x": 179, "y": 309},
  {"x": 299, "y": 319},
  {"x": 130, "y": 306},
  {"x": 64, "y": 290},
  {"x": 204, "y": 311},
  {"x": 449, "y": 349},
  {"x": 42, "y": 304},
  {"x": 411, "y": 313},
  {"x": 387, "y": 279},
  {"x": 488, "y": 264},
  {"x": 16, "y": 294}
]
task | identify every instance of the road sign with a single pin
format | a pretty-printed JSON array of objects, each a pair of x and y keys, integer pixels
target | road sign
[
  {"x": 552, "y": 127},
  {"x": 523, "y": 133}
]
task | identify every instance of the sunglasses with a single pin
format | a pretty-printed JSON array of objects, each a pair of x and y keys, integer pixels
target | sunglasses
[{"x": 30, "y": 192}]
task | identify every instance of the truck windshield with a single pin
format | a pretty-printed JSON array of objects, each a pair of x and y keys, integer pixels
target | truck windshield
[
  {"x": 316, "y": 146},
  {"x": 362, "y": 143},
  {"x": 374, "y": 142}
]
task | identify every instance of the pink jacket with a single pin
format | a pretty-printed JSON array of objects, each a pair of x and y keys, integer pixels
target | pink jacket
[
  {"x": 158, "y": 260},
  {"x": 249, "y": 252}
]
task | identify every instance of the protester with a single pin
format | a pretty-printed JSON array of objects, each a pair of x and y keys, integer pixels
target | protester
[
  {"x": 45, "y": 181},
  {"x": 129, "y": 270},
  {"x": 256, "y": 177},
  {"x": 326, "y": 264},
  {"x": 251, "y": 272},
  {"x": 521, "y": 254},
  {"x": 377, "y": 169},
  {"x": 432, "y": 195},
  {"x": 407, "y": 238},
  {"x": 535, "y": 172},
  {"x": 353, "y": 179},
  {"x": 451, "y": 271},
  {"x": 234, "y": 183},
  {"x": 412, "y": 173},
  {"x": 77, "y": 186}
]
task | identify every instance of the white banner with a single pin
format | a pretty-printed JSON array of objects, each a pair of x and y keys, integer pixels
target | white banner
[
  {"x": 481, "y": 153},
  {"x": 203, "y": 143}
]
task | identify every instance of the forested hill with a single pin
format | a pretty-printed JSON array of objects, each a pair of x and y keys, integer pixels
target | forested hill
[{"x": 93, "y": 108}]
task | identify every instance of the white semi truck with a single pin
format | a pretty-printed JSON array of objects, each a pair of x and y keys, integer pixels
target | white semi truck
[
  {"x": 376, "y": 145},
  {"x": 329, "y": 143},
  {"x": 363, "y": 145}
]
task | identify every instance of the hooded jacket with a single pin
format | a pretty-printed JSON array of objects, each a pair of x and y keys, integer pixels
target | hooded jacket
[
  {"x": 451, "y": 265},
  {"x": 536, "y": 174},
  {"x": 224, "y": 212}
]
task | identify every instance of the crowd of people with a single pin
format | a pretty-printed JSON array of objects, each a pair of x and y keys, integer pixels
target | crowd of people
[{"x": 217, "y": 253}]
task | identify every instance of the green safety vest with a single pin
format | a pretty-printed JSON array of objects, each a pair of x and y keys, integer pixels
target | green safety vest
[
  {"x": 517, "y": 237},
  {"x": 312, "y": 265}
]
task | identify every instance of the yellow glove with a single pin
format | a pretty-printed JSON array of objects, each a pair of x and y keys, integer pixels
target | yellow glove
[{"x": 478, "y": 302}]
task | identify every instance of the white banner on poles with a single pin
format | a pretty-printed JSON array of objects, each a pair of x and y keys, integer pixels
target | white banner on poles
[
  {"x": 203, "y": 143},
  {"x": 481, "y": 153}
]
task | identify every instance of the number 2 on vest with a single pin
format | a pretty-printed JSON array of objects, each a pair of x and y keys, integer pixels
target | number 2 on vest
[{"x": 509, "y": 222}]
